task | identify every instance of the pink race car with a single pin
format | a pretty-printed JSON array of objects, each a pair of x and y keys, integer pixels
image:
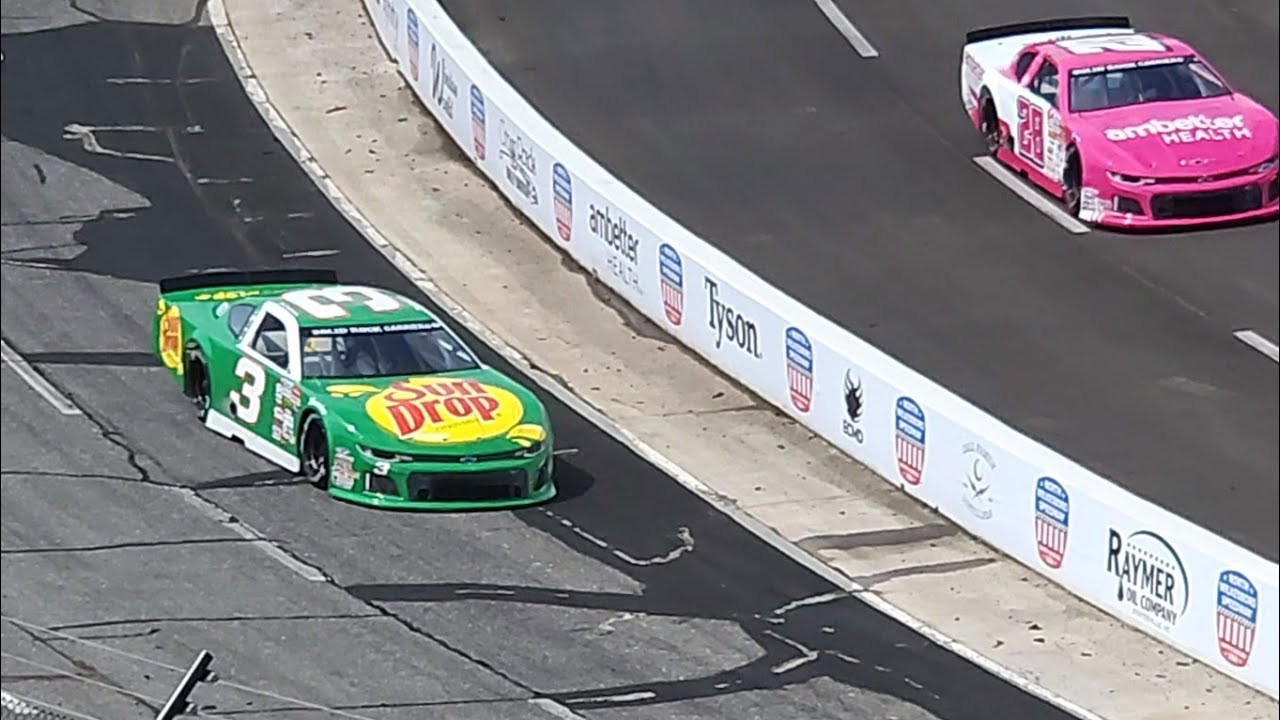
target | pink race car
[{"x": 1128, "y": 129}]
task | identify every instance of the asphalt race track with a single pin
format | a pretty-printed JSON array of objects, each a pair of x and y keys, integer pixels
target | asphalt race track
[
  {"x": 130, "y": 154},
  {"x": 849, "y": 183}
]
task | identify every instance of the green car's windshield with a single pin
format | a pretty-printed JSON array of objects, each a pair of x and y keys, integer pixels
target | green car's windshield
[{"x": 382, "y": 350}]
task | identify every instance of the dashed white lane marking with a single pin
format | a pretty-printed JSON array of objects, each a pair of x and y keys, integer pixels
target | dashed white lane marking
[
  {"x": 158, "y": 81},
  {"x": 308, "y": 254},
  {"x": 846, "y": 28},
  {"x": 294, "y": 145},
  {"x": 1259, "y": 343},
  {"x": 1010, "y": 179},
  {"x": 551, "y": 707},
  {"x": 36, "y": 381},
  {"x": 255, "y": 538}
]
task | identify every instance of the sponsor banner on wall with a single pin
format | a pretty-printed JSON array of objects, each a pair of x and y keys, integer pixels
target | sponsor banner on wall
[{"x": 1138, "y": 562}]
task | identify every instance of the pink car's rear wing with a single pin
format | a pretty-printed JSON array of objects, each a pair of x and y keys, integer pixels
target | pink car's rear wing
[{"x": 1101, "y": 22}]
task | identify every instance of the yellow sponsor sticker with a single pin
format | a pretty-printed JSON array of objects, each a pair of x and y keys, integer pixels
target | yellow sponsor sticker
[
  {"x": 349, "y": 390},
  {"x": 444, "y": 410},
  {"x": 171, "y": 339},
  {"x": 222, "y": 295},
  {"x": 527, "y": 434}
]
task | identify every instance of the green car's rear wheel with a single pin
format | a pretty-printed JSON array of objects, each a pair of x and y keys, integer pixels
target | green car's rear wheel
[
  {"x": 314, "y": 452},
  {"x": 198, "y": 387}
]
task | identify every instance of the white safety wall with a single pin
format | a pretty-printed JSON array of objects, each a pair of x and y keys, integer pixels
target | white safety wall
[{"x": 1184, "y": 585}]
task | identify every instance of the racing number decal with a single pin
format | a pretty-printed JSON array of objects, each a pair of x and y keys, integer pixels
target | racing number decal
[
  {"x": 247, "y": 401},
  {"x": 1031, "y": 131},
  {"x": 327, "y": 303},
  {"x": 1114, "y": 43}
]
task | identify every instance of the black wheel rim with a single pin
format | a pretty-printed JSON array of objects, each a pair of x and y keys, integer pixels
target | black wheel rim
[
  {"x": 991, "y": 132},
  {"x": 1071, "y": 195},
  {"x": 202, "y": 393},
  {"x": 316, "y": 456}
]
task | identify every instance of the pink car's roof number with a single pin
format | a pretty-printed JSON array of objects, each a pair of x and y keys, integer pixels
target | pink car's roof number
[
  {"x": 1128, "y": 43},
  {"x": 1187, "y": 129}
]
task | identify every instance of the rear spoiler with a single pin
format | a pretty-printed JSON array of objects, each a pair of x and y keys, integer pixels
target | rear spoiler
[
  {"x": 232, "y": 278},
  {"x": 1099, "y": 22}
]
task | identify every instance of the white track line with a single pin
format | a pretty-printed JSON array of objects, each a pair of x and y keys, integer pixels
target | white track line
[
  {"x": 37, "y": 382},
  {"x": 1259, "y": 343},
  {"x": 846, "y": 28},
  {"x": 1024, "y": 190},
  {"x": 293, "y": 144},
  {"x": 257, "y": 539}
]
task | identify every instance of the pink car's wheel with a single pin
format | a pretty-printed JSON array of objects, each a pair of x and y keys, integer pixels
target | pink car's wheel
[
  {"x": 990, "y": 126},
  {"x": 1071, "y": 183}
]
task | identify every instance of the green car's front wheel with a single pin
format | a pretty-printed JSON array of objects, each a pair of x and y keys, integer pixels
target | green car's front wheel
[{"x": 314, "y": 452}]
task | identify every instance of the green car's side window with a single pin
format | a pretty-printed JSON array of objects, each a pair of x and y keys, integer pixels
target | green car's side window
[
  {"x": 238, "y": 318},
  {"x": 272, "y": 341}
]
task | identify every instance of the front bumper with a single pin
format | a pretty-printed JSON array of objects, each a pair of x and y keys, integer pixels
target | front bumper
[
  {"x": 444, "y": 486},
  {"x": 1182, "y": 204}
]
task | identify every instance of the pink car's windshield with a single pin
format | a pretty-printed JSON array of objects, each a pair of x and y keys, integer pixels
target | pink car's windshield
[{"x": 1120, "y": 84}]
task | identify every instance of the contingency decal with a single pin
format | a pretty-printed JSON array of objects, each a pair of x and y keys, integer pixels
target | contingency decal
[
  {"x": 444, "y": 410},
  {"x": 284, "y": 417},
  {"x": 344, "y": 471},
  {"x": 170, "y": 336}
]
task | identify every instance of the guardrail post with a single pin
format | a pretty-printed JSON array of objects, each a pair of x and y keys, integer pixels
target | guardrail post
[{"x": 198, "y": 672}]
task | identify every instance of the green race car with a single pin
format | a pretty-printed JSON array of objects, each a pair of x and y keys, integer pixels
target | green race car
[{"x": 362, "y": 391}]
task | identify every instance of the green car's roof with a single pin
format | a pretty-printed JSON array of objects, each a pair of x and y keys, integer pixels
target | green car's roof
[{"x": 347, "y": 305}]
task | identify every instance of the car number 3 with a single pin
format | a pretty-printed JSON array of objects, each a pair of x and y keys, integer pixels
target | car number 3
[
  {"x": 327, "y": 303},
  {"x": 247, "y": 401}
]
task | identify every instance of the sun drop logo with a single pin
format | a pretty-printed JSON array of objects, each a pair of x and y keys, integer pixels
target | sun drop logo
[
  {"x": 1189, "y": 129},
  {"x": 442, "y": 410}
]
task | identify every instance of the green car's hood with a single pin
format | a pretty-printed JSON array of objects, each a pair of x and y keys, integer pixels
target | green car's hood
[{"x": 480, "y": 411}]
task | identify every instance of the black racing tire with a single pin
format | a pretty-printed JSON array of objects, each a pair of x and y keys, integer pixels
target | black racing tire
[
  {"x": 199, "y": 387},
  {"x": 1071, "y": 176},
  {"x": 313, "y": 452},
  {"x": 990, "y": 125}
]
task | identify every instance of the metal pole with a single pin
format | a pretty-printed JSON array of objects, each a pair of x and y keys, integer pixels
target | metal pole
[{"x": 196, "y": 674}]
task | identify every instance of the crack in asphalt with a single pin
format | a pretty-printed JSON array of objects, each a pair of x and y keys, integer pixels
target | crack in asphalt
[{"x": 86, "y": 669}]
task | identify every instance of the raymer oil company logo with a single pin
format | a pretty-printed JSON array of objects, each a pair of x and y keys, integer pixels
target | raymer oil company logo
[
  {"x": 622, "y": 245},
  {"x": 1150, "y": 577},
  {"x": 731, "y": 326}
]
